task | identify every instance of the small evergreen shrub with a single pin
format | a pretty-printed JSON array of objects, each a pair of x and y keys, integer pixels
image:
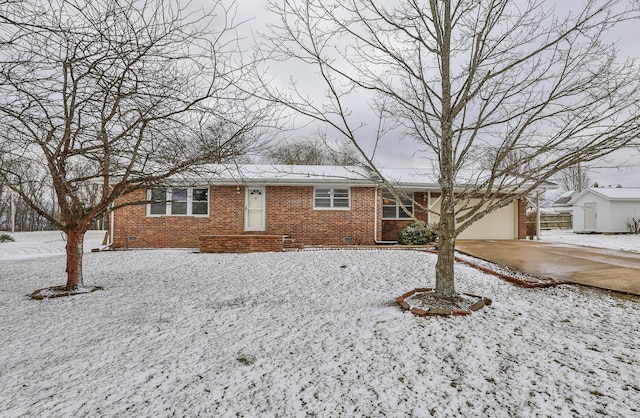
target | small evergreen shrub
[
  {"x": 418, "y": 233},
  {"x": 6, "y": 238}
]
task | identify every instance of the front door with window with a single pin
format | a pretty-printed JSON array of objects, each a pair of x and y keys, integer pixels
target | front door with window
[{"x": 254, "y": 209}]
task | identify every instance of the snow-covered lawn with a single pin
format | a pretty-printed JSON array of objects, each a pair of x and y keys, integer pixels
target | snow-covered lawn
[
  {"x": 615, "y": 242},
  {"x": 310, "y": 333},
  {"x": 43, "y": 244}
]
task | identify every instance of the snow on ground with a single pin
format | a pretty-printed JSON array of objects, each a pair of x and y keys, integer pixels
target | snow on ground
[
  {"x": 626, "y": 242},
  {"x": 309, "y": 333},
  {"x": 43, "y": 244}
]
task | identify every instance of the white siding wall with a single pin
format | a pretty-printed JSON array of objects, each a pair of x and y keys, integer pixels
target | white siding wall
[
  {"x": 604, "y": 216},
  {"x": 620, "y": 212},
  {"x": 577, "y": 217}
]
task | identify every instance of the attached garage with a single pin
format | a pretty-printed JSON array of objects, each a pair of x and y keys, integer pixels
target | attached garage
[{"x": 501, "y": 224}]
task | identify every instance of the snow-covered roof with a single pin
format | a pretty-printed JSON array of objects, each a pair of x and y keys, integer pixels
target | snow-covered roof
[
  {"x": 564, "y": 198},
  {"x": 610, "y": 193},
  {"x": 290, "y": 174},
  {"x": 300, "y": 175},
  {"x": 411, "y": 177},
  {"x": 263, "y": 174}
]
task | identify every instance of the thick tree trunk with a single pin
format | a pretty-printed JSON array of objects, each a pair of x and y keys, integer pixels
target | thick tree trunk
[
  {"x": 445, "y": 283},
  {"x": 445, "y": 286},
  {"x": 75, "y": 241}
]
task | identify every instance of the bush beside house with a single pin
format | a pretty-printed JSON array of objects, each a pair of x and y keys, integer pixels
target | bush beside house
[{"x": 418, "y": 233}]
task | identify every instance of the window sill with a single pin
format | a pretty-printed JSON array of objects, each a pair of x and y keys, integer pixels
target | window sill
[
  {"x": 333, "y": 209},
  {"x": 177, "y": 216}
]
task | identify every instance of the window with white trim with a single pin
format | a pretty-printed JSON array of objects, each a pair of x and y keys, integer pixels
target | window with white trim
[
  {"x": 392, "y": 209},
  {"x": 178, "y": 201},
  {"x": 331, "y": 198}
]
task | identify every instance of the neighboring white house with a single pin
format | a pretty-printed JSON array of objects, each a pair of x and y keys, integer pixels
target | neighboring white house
[{"x": 605, "y": 209}]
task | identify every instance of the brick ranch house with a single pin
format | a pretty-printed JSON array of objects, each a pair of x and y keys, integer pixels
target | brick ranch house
[{"x": 266, "y": 207}]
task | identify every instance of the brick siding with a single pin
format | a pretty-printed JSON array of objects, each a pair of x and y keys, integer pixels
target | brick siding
[
  {"x": 522, "y": 219},
  {"x": 240, "y": 243},
  {"x": 289, "y": 211},
  {"x": 391, "y": 227}
]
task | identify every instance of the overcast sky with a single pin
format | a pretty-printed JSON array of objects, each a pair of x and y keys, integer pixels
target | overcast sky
[{"x": 622, "y": 167}]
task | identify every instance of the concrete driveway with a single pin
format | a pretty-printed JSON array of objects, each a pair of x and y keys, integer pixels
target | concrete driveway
[{"x": 598, "y": 267}]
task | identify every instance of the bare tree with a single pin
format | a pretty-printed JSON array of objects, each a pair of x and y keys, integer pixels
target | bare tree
[
  {"x": 463, "y": 77},
  {"x": 16, "y": 213},
  {"x": 312, "y": 152},
  {"x": 119, "y": 91},
  {"x": 226, "y": 146},
  {"x": 575, "y": 178}
]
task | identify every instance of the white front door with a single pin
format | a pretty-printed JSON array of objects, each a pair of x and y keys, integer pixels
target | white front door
[{"x": 254, "y": 209}]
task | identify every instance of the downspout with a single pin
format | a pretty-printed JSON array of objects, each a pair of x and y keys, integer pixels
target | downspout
[
  {"x": 538, "y": 215},
  {"x": 375, "y": 221},
  {"x": 112, "y": 216},
  {"x": 13, "y": 210},
  {"x": 429, "y": 206}
]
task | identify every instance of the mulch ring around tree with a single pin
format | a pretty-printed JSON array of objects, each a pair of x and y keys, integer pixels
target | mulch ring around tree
[
  {"x": 61, "y": 291},
  {"x": 423, "y": 302}
]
